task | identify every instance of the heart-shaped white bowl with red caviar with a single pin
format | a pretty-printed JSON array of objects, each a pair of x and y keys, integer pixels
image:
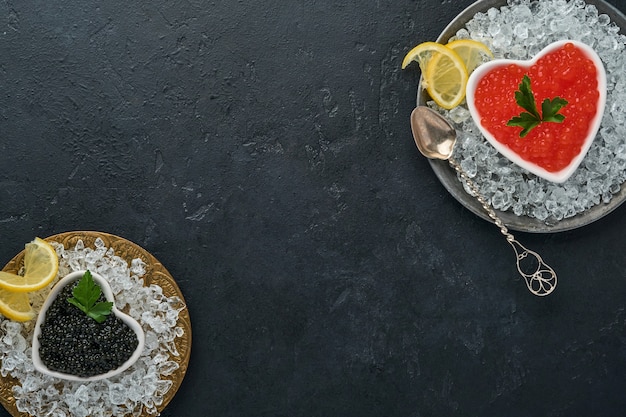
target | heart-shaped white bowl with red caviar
[{"x": 566, "y": 69}]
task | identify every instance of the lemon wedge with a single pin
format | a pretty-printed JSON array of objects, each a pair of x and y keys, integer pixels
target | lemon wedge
[
  {"x": 41, "y": 265},
  {"x": 16, "y": 306}
]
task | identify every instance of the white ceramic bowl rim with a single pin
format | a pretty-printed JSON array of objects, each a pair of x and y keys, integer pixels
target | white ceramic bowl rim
[
  {"x": 565, "y": 173},
  {"x": 129, "y": 321}
]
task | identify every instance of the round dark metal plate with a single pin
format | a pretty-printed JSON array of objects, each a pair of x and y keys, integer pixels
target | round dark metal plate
[{"x": 448, "y": 177}]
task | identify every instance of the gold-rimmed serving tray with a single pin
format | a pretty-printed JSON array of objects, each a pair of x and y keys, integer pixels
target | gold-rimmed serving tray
[{"x": 155, "y": 274}]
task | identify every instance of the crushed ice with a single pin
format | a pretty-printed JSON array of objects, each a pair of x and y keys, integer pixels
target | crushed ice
[
  {"x": 519, "y": 31},
  {"x": 137, "y": 391}
]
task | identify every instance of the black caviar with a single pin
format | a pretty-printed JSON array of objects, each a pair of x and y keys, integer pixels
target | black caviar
[{"x": 73, "y": 343}]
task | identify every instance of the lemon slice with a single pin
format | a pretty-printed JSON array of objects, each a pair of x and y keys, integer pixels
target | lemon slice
[
  {"x": 443, "y": 73},
  {"x": 473, "y": 53},
  {"x": 446, "y": 68},
  {"x": 16, "y": 306},
  {"x": 41, "y": 265},
  {"x": 422, "y": 54}
]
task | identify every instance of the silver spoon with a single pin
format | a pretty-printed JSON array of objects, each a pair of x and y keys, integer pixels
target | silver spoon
[{"x": 435, "y": 138}]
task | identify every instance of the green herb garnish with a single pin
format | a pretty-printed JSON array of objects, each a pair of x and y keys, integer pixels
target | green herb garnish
[
  {"x": 86, "y": 294},
  {"x": 531, "y": 118}
]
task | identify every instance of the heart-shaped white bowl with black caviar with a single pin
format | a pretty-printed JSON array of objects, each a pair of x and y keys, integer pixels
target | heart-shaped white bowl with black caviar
[{"x": 71, "y": 345}]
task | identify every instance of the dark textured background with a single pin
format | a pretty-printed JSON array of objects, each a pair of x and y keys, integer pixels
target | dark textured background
[{"x": 261, "y": 151}]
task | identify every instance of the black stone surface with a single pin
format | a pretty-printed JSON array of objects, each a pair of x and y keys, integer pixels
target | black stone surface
[{"x": 261, "y": 151}]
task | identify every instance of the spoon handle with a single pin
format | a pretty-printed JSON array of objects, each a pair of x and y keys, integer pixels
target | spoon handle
[{"x": 540, "y": 278}]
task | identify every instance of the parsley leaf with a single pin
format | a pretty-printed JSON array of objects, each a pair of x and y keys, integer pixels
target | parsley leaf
[
  {"x": 526, "y": 120},
  {"x": 86, "y": 294},
  {"x": 526, "y": 99},
  {"x": 531, "y": 118},
  {"x": 550, "y": 108}
]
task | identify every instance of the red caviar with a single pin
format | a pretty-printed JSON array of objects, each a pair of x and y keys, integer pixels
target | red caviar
[{"x": 567, "y": 73}]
